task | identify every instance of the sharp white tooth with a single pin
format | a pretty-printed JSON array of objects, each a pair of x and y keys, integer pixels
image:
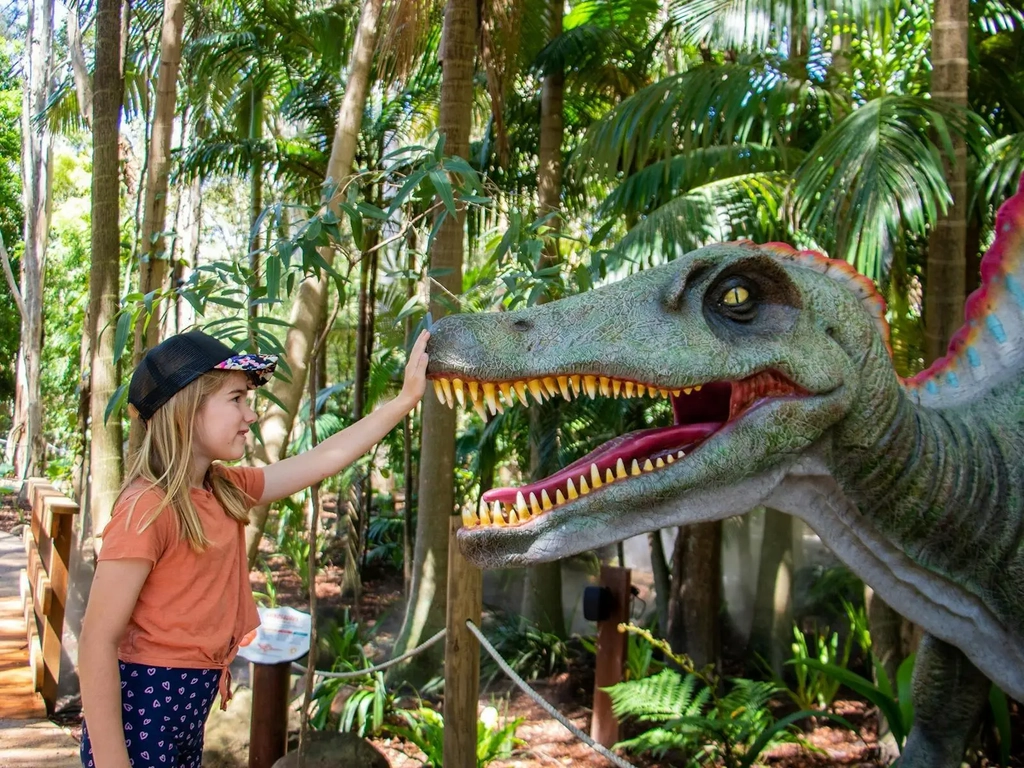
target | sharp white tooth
[
  {"x": 536, "y": 389},
  {"x": 459, "y": 394},
  {"x": 520, "y": 387},
  {"x": 629, "y": 388},
  {"x": 584, "y": 488},
  {"x": 520, "y": 502},
  {"x": 595, "y": 476},
  {"x": 551, "y": 386},
  {"x": 545, "y": 500},
  {"x": 680, "y": 455},
  {"x": 474, "y": 391},
  {"x": 571, "y": 489},
  {"x": 688, "y": 390},
  {"x": 447, "y": 388},
  {"x": 634, "y": 468},
  {"x": 605, "y": 386},
  {"x": 485, "y": 518},
  {"x": 669, "y": 459},
  {"x": 439, "y": 392},
  {"x": 574, "y": 384},
  {"x": 609, "y": 478},
  {"x": 478, "y": 406},
  {"x": 468, "y": 518},
  {"x": 506, "y": 391},
  {"x": 676, "y": 392},
  {"x": 620, "y": 469},
  {"x": 616, "y": 387},
  {"x": 641, "y": 390},
  {"x": 512, "y": 518},
  {"x": 496, "y": 516},
  {"x": 648, "y": 467},
  {"x": 534, "y": 504},
  {"x": 559, "y": 498},
  {"x": 489, "y": 399},
  {"x": 563, "y": 387},
  {"x": 659, "y": 462},
  {"x": 590, "y": 384}
]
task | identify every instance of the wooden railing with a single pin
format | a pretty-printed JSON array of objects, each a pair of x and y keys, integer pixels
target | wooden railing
[{"x": 44, "y": 583}]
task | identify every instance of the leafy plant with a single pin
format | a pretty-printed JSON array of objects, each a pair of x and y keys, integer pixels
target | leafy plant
[
  {"x": 689, "y": 716},
  {"x": 640, "y": 658},
  {"x": 813, "y": 687},
  {"x": 424, "y": 727},
  {"x": 268, "y": 597},
  {"x": 384, "y": 541},
  {"x": 530, "y": 651}
]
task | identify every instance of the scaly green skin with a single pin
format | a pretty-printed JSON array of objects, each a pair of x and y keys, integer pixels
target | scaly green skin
[{"x": 924, "y": 504}]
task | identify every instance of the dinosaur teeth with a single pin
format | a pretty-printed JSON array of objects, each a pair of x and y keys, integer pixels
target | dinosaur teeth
[
  {"x": 459, "y": 394},
  {"x": 520, "y": 388},
  {"x": 620, "y": 470},
  {"x": 536, "y": 390},
  {"x": 468, "y": 518},
  {"x": 496, "y": 516},
  {"x": 439, "y": 392},
  {"x": 595, "y": 476}
]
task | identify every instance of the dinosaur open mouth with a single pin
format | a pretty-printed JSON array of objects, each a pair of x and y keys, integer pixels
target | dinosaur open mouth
[{"x": 699, "y": 412}]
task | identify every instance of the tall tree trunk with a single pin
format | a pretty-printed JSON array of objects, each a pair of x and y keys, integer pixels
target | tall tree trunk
[
  {"x": 106, "y": 439},
  {"x": 696, "y": 592},
  {"x": 542, "y": 594},
  {"x": 37, "y": 167},
  {"x": 944, "y": 279},
  {"x": 255, "y": 206},
  {"x": 771, "y": 628},
  {"x": 662, "y": 579},
  {"x": 188, "y": 222},
  {"x": 407, "y": 438},
  {"x": 154, "y": 257},
  {"x": 425, "y": 611},
  {"x": 310, "y": 305}
]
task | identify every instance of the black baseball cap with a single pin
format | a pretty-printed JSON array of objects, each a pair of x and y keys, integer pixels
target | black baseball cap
[{"x": 176, "y": 362}]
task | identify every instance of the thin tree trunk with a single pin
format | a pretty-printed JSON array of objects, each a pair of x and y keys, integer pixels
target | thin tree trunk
[
  {"x": 407, "y": 438},
  {"x": 945, "y": 288},
  {"x": 106, "y": 439},
  {"x": 185, "y": 254},
  {"x": 425, "y": 611},
  {"x": 310, "y": 305},
  {"x": 662, "y": 579},
  {"x": 37, "y": 178},
  {"x": 542, "y": 593},
  {"x": 255, "y": 206},
  {"x": 771, "y": 629},
  {"x": 696, "y": 592}
]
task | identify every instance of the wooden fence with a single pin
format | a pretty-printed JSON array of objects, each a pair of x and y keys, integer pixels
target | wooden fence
[{"x": 44, "y": 583}]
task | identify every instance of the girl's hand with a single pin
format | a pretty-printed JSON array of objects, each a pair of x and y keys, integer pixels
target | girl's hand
[{"x": 416, "y": 372}]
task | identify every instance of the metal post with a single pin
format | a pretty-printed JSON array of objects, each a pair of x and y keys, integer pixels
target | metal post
[
  {"x": 611, "y": 654},
  {"x": 461, "y": 657},
  {"x": 268, "y": 728}
]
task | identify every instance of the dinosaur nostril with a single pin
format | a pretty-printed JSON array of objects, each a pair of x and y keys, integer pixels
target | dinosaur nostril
[{"x": 522, "y": 325}]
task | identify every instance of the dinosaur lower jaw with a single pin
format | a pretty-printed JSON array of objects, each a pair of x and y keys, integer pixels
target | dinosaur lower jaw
[{"x": 700, "y": 411}]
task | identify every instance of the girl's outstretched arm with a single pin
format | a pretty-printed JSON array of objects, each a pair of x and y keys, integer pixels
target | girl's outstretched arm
[
  {"x": 115, "y": 589},
  {"x": 283, "y": 478}
]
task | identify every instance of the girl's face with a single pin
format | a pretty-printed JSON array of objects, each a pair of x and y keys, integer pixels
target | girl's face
[{"x": 222, "y": 423}]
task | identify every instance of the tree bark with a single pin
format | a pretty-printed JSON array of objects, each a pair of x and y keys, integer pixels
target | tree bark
[
  {"x": 542, "y": 593},
  {"x": 945, "y": 285},
  {"x": 662, "y": 579},
  {"x": 425, "y": 611},
  {"x": 770, "y": 631},
  {"x": 37, "y": 179},
  {"x": 105, "y": 436},
  {"x": 310, "y": 305},
  {"x": 696, "y": 592}
]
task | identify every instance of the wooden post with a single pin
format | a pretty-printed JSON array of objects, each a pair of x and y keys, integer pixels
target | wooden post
[
  {"x": 268, "y": 728},
  {"x": 611, "y": 655},
  {"x": 461, "y": 657}
]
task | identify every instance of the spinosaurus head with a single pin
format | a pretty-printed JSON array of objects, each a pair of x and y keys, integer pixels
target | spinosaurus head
[{"x": 759, "y": 349}]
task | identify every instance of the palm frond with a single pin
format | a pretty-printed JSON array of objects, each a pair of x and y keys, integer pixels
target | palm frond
[
  {"x": 875, "y": 177},
  {"x": 999, "y": 171}
]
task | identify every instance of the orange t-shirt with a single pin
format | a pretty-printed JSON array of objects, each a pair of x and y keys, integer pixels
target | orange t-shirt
[{"x": 195, "y": 608}]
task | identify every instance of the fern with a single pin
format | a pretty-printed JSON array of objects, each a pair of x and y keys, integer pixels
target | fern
[{"x": 663, "y": 696}]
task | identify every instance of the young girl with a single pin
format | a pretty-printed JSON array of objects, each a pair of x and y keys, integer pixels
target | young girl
[{"x": 170, "y": 601}]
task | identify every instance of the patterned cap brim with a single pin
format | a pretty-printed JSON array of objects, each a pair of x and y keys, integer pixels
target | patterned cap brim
[{"x": 259, "y": 367}]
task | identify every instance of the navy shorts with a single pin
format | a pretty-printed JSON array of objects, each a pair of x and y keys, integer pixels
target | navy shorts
[{"x": 164, "y": 712}]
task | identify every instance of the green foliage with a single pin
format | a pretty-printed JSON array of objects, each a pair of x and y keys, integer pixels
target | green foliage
[
  {"x": 292, "y": 539},
  {"x": 530, "y": 651},
  {"x": 384, "y": 541},
  {"x": 815, "y": 689},
  {"x": 424, "y": 727},
  {"x": 689, "y": 716}
]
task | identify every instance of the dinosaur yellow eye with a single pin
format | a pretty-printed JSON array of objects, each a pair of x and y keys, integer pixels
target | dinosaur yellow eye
[{"x": 735, "y": 296}]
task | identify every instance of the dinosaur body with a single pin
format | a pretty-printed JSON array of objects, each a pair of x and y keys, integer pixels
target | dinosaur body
[{"x": 777, "y": 367}]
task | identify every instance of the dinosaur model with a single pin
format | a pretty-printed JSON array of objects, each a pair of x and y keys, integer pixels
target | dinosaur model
[{"x": 778, "y": 369}]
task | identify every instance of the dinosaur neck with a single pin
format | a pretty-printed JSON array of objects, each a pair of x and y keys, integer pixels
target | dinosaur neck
[{"x": 942, "y": 485}]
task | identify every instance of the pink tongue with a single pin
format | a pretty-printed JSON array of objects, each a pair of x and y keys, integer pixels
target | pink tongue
[{"x": 642, "y": 445}]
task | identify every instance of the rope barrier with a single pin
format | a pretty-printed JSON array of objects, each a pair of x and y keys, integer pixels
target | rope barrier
[
  {"x": 364, "y": 672},
  {"x": 541, "y": 702}
]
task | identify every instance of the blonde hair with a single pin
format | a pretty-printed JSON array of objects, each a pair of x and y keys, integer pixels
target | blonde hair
[{"x": 164, "y": 462}]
